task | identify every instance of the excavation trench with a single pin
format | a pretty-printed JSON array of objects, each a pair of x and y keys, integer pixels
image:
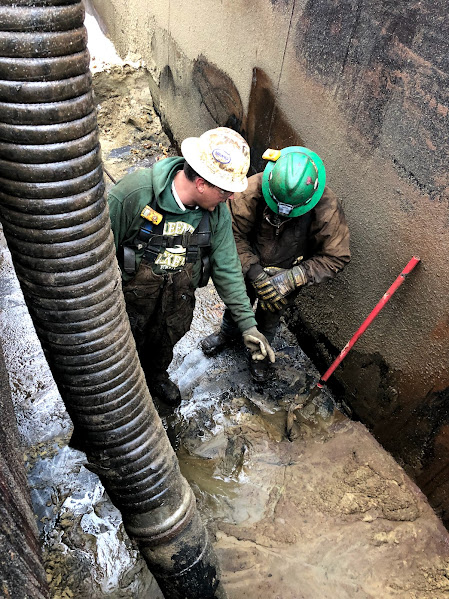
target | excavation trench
[{"x": 330, "y": 514}]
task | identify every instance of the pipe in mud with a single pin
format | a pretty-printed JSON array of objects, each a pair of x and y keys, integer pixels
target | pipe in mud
[{"x": 55, "y": 219}]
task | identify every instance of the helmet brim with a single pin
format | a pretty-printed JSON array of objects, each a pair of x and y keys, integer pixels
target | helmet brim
[
  {"x": 190, "y": 149},
  {"x": 316, "y": 197}
]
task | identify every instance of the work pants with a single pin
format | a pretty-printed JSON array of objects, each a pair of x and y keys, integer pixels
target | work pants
[{"x": 160, "y": 311}]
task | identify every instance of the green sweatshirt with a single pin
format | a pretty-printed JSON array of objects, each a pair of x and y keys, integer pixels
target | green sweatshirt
[{"x": 136, "y": 190}]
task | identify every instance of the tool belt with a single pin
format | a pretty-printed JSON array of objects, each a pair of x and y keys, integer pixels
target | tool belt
[{"x": 153, "y": 243}]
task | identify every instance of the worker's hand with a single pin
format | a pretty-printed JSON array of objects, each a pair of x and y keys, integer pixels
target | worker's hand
[
  {"x": 273, "y": 290},
  {"x": 273, "y": 270},
  {"x": 267, "y": 292},
  {"x": 271, "y": 306},
  {"x": 257, "y": 344},
  {"x": 276, "y": 305}
]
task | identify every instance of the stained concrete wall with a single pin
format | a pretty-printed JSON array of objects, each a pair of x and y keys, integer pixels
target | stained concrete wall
[{"x": 365, "y": 85}]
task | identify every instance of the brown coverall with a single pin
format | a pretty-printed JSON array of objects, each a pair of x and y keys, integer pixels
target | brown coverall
[{"x": 318, "y": 241}]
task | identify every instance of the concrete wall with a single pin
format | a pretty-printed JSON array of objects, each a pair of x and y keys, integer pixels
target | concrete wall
[{"x": 365, "y": 85}]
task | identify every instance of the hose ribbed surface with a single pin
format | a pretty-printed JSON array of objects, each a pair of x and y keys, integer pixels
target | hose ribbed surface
[{"x": 56, "y": 222}]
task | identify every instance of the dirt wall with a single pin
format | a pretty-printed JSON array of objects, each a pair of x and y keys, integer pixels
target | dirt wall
[
  {"x": 21, "y": 571},
  {"x": 365, "y": 86}
]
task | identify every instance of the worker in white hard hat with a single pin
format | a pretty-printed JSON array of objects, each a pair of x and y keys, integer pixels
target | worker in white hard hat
[{"x": 172, "y": 229}]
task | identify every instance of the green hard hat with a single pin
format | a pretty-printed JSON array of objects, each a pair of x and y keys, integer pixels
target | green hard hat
[{"x": 294, "y": 183}]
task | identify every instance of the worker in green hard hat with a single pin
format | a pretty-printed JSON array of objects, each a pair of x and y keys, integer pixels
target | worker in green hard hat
[{"x": 290, "y": 232}]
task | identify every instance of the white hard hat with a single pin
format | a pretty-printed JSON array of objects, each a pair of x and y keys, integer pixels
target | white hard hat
[{"x": 220, "y": 156}]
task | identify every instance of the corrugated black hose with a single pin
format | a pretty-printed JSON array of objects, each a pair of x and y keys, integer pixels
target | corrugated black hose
[{"x": 55, "y": 219}]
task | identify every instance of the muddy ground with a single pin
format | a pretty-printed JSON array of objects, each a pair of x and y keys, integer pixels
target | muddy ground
[{"x": 330, "y": 514}]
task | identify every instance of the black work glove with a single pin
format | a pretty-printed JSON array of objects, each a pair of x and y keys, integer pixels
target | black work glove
[
  {"x": 268, "y": 293},
  {"x": 272, "y": 290}
]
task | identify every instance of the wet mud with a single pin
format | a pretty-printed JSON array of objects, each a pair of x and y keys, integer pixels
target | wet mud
[{"x": 330, "y": 514}]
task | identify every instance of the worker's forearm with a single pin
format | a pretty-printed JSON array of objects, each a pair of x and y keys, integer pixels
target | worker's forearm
[{"x": 319, "y": 269}]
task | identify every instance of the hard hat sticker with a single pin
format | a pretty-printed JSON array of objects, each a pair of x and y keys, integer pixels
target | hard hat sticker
[{"x": 221, "y": 156}]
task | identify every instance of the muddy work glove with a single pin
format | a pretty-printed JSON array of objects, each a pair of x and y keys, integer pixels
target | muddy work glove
[
  {"x": 277, "y": 304},
  {"x": 268, "y": 295},
  {"x": 272, "y": 290},
  {"x": 257, "y": 344}
]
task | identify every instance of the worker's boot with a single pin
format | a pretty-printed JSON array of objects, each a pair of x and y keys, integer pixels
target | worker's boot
[
  {"x": 259, "y": 369},
  {"x": 216, "y": 342},
  {"x": 165, "y": 390}
]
